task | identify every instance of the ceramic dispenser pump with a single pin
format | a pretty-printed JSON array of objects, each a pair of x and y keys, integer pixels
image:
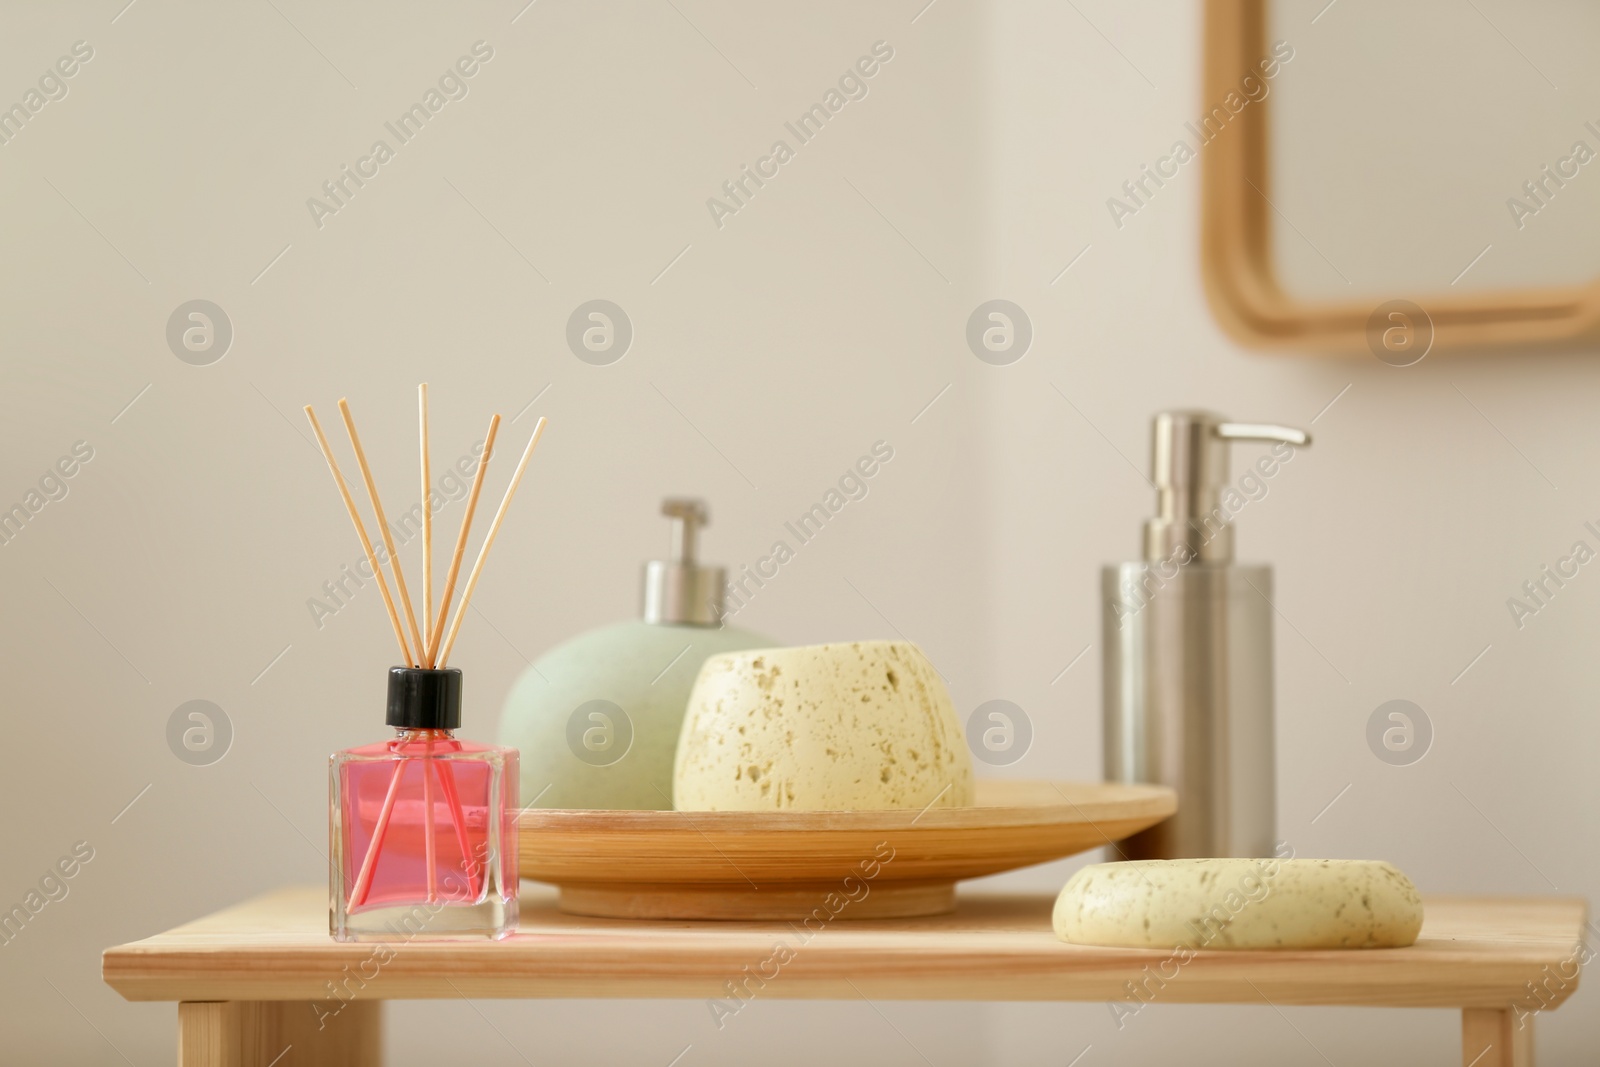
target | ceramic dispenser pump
[
  {"x": 597, "y": 717},
  {"x": 1187, "y": 645}
]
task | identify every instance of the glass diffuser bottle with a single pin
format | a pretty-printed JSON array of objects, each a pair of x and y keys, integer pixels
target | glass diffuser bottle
[
  {"x": 420, "y": 827},
  {"x": 422, "y": 841}
]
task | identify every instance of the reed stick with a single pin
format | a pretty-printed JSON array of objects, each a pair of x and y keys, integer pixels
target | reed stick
[
  {"x": 458, "y": 816},
  {"x": 427, "y": 519},
  {"x": 361, "y": 532},
  {"x": 430, "y": 853},
  {"x": 461, "y": 542},
  {"x": 383, "y": 524},
  {"x": 488, "y": 541},
  {"x": 380, "y": 830}
]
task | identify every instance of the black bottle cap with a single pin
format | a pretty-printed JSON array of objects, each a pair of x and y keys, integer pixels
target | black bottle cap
[{"x": 422, "y": 699}]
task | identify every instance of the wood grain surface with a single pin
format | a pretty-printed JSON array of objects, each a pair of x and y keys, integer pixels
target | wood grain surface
[{"x": 1474, "y": 952}]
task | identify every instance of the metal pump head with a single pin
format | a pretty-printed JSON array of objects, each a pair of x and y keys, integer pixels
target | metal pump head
[
  {"x": 1189, "y": 466},
  {"x": 678, "y": 590}
]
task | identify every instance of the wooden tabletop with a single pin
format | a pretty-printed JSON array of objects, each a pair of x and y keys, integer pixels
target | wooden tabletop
[{"x": 1474, "y": 952}]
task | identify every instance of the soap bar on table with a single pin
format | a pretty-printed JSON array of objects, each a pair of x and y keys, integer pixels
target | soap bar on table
[{"x": 1239, "y": 904}]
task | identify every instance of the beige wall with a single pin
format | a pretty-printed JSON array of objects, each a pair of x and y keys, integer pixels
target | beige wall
[{"x": 822, "y": 317}]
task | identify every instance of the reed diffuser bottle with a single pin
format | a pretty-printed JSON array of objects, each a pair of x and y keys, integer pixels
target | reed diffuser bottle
[
  {"x": 422, "y": 837},
  {"x": 420, "y": 826}
]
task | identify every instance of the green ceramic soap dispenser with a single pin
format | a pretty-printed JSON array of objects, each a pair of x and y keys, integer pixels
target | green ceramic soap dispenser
[{"x": 597, "y": 717}]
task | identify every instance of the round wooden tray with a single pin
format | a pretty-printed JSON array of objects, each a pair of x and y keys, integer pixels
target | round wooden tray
[{"x": 822, "y": 865}]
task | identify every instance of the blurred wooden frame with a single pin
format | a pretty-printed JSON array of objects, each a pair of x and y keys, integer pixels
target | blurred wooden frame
[{"x": 1236, "y": 240}]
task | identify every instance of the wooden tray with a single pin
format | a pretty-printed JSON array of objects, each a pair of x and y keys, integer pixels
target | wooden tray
[{"x": 819, "y": 865}]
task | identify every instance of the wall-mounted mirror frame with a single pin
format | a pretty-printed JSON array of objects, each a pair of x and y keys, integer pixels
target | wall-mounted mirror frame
[{"x": 1237, "y": 260}]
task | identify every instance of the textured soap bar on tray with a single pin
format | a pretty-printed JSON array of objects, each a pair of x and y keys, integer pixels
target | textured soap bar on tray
[
  {"x": 842, "y": 727},
  {"x": 1239, "y": 904}
]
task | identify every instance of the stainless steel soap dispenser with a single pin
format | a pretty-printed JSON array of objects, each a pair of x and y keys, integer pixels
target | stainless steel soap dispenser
[{"x": 1187, "y": 641}]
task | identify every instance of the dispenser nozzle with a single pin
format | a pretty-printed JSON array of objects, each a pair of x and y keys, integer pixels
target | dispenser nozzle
[
  {"x": 679, "y": 590},
  {"x": 1189, "y": 466},
  {"x": 688, "y": 515},
  {"x": 1261, "y": 431}
]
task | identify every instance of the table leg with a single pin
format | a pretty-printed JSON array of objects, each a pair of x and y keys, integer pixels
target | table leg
[
  {"x": 1493, "y": 1037},
  {"x": 272, "y": 1033}
]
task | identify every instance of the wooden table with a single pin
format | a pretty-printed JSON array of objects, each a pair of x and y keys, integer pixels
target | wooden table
[{"x": 264, "y": 976}]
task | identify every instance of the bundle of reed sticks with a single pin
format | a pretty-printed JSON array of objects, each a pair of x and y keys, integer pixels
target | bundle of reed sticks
[{"x": 429, "y": 646}]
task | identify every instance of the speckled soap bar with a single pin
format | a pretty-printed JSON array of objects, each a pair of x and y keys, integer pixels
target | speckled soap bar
[
  {"x": 839, "y": 727},
  {"x": 1239, "y": 904}
]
